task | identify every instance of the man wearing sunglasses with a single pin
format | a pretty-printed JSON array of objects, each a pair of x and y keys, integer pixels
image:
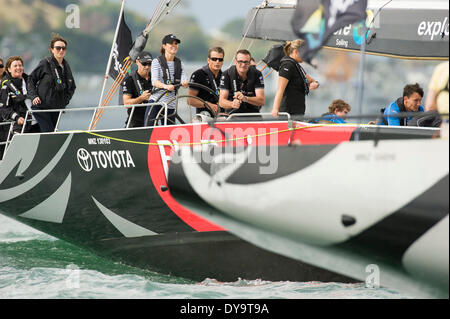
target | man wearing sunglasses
[
  {"x": 209, "y": 76},
  {"x": 137, "y": 88},
  {"x": 242, "y": 86}
]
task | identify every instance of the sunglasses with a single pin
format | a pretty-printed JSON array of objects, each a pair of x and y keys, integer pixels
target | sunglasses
[
  {"x": 1, "y": 66},
  {"x": 146, "y": 63},
  {"x": 60, "y": 48},
  {"x": 216, "y": 59},
  {"x": 243, "y": 62}
]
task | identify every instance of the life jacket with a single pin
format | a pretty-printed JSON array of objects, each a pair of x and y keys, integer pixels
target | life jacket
[
  {"x": 137, "y": 83},
  {"x": 300, "y": 70},
  {"x": 16, "y": 98},
  {"x": 60, "y": 85},
  {"x": 14, "y": 90},
  {"x": 55, "y": 89},
  {"x": 401, "y": 107},
  {"x": 166, "y": 71},
  {"x": 213, "y": 84},
  {"x": 251, "y": 79}
]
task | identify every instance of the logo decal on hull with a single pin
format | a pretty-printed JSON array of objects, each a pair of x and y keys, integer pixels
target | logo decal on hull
[
  {"x": 104, "y": 159},
  {"x": 85, "y": 160}
]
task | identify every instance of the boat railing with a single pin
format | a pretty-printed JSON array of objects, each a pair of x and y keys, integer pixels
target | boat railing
[
  {"x": 5, "y": 143},
  {"x": 95, "y": 111},
  {"x": 261, "y": 117}
]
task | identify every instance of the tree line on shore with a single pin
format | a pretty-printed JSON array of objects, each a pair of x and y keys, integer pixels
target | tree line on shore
[{"x": 28, "y": 34}]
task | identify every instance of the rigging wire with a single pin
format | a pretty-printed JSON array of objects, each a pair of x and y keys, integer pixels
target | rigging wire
[
  {"x": 163, "y": 9},
  {"x": 248, "y": 28}
]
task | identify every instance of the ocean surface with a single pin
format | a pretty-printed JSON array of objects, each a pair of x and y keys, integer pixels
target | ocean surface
[{"x": 35, "y": 265}]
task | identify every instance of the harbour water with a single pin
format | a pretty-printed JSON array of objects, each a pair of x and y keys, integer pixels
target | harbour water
[{"x": 35, "y": 265}]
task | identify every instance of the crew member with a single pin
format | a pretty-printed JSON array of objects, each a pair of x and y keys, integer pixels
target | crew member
[
  {"x": 51, "y": 85},
  {"x": 438, "y": 97},
  {"x": 137, "y": 89},
  {"x": 337, "y": 112},
  {"x": 209, "y": 76},
  {"x": 242, "y": 86},
  {"x": 13, "y": 95},
  {"x": 410, "y": 102},
  {"x": 294, "y": 83},
  {"x": 168, "y": 73}
]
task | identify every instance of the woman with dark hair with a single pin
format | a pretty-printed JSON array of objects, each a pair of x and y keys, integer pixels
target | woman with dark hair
[
  {"x": 51, "y": 85},
  {"x": 14, "y": 94},
  {"x": 294, "y": 83},
  {"x": 167, "y": 73}
]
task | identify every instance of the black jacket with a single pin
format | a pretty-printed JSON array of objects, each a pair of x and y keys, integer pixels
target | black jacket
[
  {"x": 12, "y": 99},
  {"x": 53, "y": 84}
]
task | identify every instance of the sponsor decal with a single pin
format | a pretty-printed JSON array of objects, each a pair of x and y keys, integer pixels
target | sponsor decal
[
  {"x": 435, "y": 30},
  {"x": 104, "y": 159},
  {"x": 85, "y": 160},
  {"x": 99, "y": 141},
  {"x": 355, "y": 30},
  {"x": 341, "y": 43}
]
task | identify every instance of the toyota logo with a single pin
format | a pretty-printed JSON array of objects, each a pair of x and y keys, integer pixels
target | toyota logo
[{"x": 84, "y": 159}]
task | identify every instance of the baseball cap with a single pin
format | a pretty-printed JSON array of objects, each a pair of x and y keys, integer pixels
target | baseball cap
[
  {"x": 170, "y": 38},
  {"x": 144, "y": 56}
]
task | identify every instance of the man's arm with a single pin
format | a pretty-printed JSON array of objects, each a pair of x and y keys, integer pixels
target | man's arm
[
  {"x": 128, "y": 100},
  {"x": 197, "y": 103},
  {"x": 313, "y": 84},
  {"x": 431, "y": 101},
  {"x": 225, "y": 103},
  {"x": 258, "y": 100}
]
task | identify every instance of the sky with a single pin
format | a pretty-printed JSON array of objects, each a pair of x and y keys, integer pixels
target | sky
[{"x": 211, "y": 14}]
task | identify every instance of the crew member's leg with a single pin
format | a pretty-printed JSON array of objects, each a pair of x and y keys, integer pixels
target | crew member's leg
[
  {"x": 45, "y": 120},
  {"x": 151, "y": 113}
]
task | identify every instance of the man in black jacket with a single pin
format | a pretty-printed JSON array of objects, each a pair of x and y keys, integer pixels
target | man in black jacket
[
  {"x": 137, "y": 88},
  {"x": 209, "y": 76},
  {"x": 242, "y": 86},
  {"x": 51, "y": 85}
]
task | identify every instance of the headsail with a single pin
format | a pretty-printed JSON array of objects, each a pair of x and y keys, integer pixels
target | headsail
[{"x": 398, "y": 28}]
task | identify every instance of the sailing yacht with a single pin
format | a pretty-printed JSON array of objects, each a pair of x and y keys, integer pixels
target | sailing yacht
[{"x": 109, "y": 190}]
